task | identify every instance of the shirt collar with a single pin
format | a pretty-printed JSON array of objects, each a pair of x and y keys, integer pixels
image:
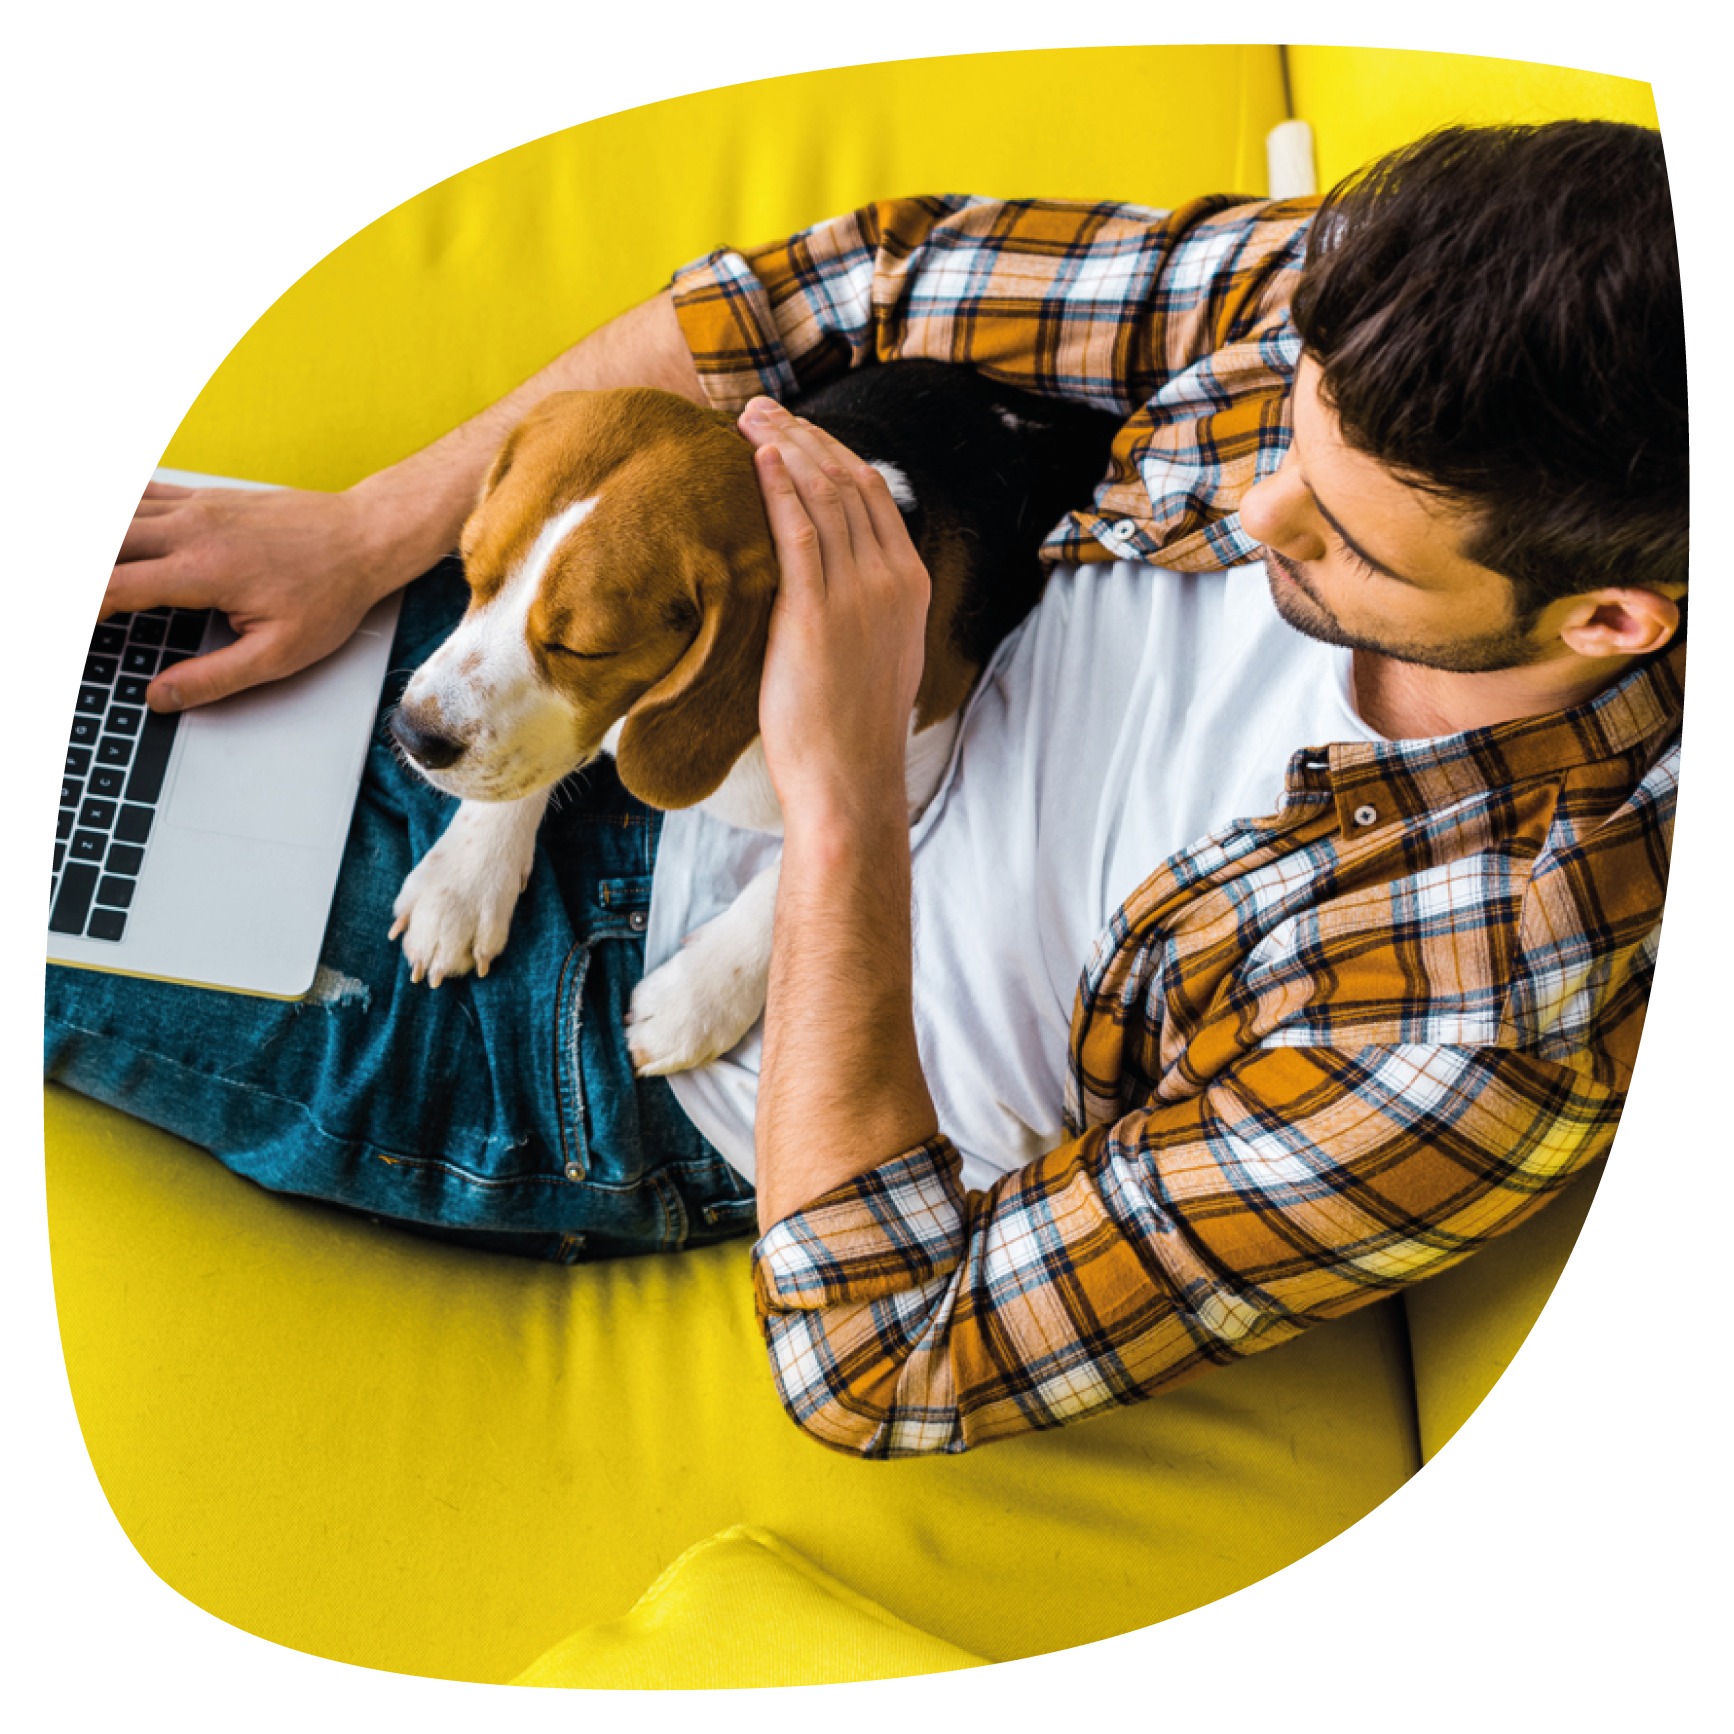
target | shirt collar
[{"x": 1639, "y": 713}]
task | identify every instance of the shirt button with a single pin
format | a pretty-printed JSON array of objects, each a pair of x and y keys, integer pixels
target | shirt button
[
  {"x": 1366, "y": 815},
  {"x": 573, "y": 1171},
  {"x": 637, "y": 921},
  {"x": 1126, "y": 529}
]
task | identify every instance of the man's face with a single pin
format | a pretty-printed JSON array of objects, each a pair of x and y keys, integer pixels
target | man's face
[{"x": 1358, "y": 558}]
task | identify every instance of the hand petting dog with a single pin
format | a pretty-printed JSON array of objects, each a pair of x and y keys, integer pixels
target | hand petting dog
[
  {"x": 627, "y": 585},
  {"x": 841, "y": 1088},
  {"x": 845, "y": 654}
]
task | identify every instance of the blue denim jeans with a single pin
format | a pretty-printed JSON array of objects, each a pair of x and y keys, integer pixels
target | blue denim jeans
[{"x": 502, "y": 1112}]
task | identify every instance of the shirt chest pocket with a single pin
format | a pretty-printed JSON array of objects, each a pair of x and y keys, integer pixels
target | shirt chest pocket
[{"x": 1424, "y": 959}]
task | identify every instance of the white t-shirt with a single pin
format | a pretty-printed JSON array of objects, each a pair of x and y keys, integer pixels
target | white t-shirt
[{"x": 1134, "y": 711}]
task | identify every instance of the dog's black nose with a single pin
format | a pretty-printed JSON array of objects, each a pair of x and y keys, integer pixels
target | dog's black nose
[{"x": 433, "y": 752}]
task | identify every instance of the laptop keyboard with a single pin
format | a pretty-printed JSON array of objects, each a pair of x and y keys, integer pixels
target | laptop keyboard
[{"x": 116, "y": 761}]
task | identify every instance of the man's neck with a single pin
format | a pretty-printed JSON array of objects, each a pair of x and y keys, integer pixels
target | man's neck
[{"x": 1405, "y": 701}]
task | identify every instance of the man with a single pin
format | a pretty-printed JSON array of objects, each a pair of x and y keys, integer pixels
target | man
[{"x": 1314, "y": 1056}]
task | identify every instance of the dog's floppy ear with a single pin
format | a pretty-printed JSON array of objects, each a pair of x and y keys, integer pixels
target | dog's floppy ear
[
  {"x": 502, "y": 462},
  {"x": 555, "y": 407},
  {"x": 683, "y": 736}
]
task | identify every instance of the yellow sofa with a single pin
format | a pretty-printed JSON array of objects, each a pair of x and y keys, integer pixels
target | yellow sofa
[{"x": 381, "y": 1450}]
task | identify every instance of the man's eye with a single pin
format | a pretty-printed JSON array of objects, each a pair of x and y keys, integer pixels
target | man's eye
[{"x": 1355, "y": 560}]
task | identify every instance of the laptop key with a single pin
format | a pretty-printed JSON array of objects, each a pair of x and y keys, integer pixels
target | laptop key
[
  {"x": 59, "y": 856},
  {"x": 106, "y": 924},
  {"x": 97, "y": 815},
  {"x": 124, "y": 861},
  {"x": 84, "y": 730},
  {"x": 114, "y": 751},
  {"x": 92, "y": 700},
  {"x": 72, "y": 905},
  {"x": 115, "y": 892},
  {"x": 187, "y": 629},
  {"x": 109, "y": 639},
  {"x": 133, "y": 825},
  {"x": 63, "y": 827},
  {"x": 77, "y": 761},
  {"x": 152, "y": 762},
  {"x": 106, "y": 782},
  {"x": 131, "y": 690},
  {"x": 139, "y": 660},
  {"x": 149, "y": 628},
  {"x": 123, "y": 720},
  {"x": 88, "y": 845},
  {"x": 71, "y": 791},
  {"x": 101, "y": 669}
]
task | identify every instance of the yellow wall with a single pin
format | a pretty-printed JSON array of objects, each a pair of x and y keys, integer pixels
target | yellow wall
[
  {"x": 447, "y": 301},
  {"x": 1362, "y": 101},
  {"x": 441, "y": 305}
]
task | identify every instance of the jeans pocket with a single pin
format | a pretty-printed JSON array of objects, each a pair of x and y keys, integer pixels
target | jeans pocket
[{"x": 600, "y": 1124}]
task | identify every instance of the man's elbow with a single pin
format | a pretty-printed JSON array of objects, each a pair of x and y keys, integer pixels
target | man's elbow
[
  {"x": 843, "y": 1427},
  {"x": 858, "y": 1406}
]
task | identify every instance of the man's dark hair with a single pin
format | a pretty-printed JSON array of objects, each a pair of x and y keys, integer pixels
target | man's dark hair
[{"x": 1496, "y": 313}]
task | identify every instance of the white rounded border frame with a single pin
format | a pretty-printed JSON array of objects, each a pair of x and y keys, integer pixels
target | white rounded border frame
[{"x": 1658, "y": 77}]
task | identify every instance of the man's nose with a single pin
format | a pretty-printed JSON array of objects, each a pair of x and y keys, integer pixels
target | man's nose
[{"x": 1279, "y": 512}]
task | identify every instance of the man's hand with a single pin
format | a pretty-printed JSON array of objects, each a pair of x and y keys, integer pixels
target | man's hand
[
  {"x": 844, "y": 659},
  {"x": 293, "y": 571},
  {"x": 841, "y": 1088}
]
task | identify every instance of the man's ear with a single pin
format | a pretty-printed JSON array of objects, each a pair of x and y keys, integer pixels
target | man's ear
[{"x": 1621, "y": 622}]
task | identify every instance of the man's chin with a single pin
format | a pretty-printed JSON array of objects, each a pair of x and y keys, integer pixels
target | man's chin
[
  {"x": 1303, "y": 611},
  {"x": 1300, "y": 609}
]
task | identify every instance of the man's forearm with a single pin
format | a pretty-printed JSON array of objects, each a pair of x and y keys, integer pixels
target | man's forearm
[
  {"x": 418, "y": 506},
  {"x": 841, "y": 1089}
]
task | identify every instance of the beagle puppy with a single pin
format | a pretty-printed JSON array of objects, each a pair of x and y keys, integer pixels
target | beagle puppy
[{"x": 622, "y": 573}]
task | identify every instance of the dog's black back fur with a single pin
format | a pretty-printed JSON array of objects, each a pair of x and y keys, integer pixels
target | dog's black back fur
[{"x": 998, "y": 466}]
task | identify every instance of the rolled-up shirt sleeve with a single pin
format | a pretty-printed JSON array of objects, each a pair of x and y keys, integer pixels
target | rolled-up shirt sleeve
[
  {"x": 904, "y": 1315},
  {"x": 1176, "y": 319},
  {"x": 1312, "y": 1062}
]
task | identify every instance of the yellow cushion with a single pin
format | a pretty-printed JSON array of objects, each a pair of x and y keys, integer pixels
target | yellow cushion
[
  {"x": 390, "y": 1452},
  {"x": 1466, "y": 1326},
  {"x": 703, "y": 1624}
]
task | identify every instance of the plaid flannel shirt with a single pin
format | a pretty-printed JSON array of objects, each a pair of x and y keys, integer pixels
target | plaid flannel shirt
[{"x": 1316, "y": 1056}]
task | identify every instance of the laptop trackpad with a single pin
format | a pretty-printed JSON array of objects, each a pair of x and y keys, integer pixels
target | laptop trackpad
[{"x": 258, "y": 764}]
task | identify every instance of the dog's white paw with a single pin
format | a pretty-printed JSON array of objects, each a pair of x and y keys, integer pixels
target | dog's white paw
[
  {"x": 699, "y": 1004},
  {"x": 455, "y": 908}
]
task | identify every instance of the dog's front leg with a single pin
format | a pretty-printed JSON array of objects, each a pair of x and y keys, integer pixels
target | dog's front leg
[
  {"x": 698, "y": 1004},
  {"x": 456, "y": 906}
]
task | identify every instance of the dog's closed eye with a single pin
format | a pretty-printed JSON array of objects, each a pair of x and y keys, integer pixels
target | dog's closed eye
[{"x": 579, "y": 655}]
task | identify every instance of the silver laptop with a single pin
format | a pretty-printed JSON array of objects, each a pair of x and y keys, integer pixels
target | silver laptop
[{"x": 204, "y": 848}]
